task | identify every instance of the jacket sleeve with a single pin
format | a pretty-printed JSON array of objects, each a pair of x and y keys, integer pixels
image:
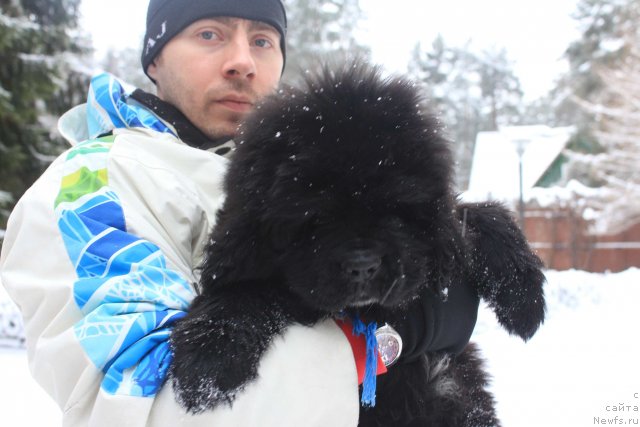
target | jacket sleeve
[
  {"x": 100, "y": 257},
  {"x": 429, "y": 324}
]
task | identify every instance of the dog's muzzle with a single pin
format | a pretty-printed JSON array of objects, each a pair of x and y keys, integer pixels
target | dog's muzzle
[{"x": 361, "y": 266}]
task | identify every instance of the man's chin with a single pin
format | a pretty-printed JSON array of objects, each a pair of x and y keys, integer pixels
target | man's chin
[
  {"x": 221, "y": 133},
  {"x": 224, "y": 126}
]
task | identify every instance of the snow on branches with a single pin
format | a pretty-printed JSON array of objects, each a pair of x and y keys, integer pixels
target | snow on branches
[{"x": 617, "y": 127}]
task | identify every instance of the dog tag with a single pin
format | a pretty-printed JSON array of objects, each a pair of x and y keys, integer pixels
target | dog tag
[{"x": 389, "y": 344}]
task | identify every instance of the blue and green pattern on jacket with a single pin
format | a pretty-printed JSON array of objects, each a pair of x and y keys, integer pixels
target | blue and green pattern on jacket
[
  {"x": 109, "y": 106},
  {"x": 128, "y": 295}
]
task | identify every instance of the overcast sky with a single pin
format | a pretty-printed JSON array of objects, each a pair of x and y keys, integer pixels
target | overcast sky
[{"x": 534, "y": 32}]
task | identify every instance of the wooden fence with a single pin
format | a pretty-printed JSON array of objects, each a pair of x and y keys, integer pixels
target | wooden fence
[{"x": 561, "y": 238}]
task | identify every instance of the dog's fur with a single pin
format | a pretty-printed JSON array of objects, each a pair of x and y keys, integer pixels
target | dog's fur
[{"x": 339, "y": 197}]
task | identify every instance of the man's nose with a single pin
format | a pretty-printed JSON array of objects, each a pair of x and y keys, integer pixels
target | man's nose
[{"x": 239, "y": 62}]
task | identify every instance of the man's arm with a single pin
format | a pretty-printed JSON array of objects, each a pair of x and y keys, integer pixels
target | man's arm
[{"x": 100, "y": 258}]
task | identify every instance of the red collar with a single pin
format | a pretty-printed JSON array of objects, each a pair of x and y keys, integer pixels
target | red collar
[{"x": 359, "y": 348}]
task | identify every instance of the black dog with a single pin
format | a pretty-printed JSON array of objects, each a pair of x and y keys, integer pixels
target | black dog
[{"x": 339, "y": 197}]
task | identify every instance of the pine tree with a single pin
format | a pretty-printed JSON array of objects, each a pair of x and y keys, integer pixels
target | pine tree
[
  {"x": 615, "y": 169},
  {"x": 472, "y": 92},
  {"x": 319, "y": 29},
  {"x": 40, "y": 77},
  {"x": 595, "y": 98},
  {"x": 603, "y": 25},
  {"x": 500, "y": 89}
]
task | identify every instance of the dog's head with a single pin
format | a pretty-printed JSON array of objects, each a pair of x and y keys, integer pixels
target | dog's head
[{"x": 342, "y": 192}]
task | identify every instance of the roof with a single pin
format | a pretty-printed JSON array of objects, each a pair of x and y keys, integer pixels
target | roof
[{"x": 495, "y": 166}]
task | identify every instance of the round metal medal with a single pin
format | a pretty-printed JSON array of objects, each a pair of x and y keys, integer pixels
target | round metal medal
[{"x": 389, "y": 344}]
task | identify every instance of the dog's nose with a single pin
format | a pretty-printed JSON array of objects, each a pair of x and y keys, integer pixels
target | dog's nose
[{"x": 362, "y": 265}]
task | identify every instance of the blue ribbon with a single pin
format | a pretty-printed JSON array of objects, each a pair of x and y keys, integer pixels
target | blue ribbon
[{"x": 368, "y": 398}]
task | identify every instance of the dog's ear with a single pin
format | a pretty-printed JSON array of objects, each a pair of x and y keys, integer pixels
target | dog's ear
[{"x": 506, "y": 272}]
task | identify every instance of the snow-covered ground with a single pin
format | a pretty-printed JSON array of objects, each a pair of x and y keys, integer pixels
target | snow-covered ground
[
  {"x": 22, "y": 402},
  {"x": 583, "y": 363}
]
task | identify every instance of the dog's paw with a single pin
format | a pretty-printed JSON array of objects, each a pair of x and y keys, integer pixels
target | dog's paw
[
  {"x": 217, "y": 347},
  {"x": 215, "y": 357},
  {"x": 520, "y": 308},
  {"x": 507, "y": 273},
  {"x": 513, "y": 288}
]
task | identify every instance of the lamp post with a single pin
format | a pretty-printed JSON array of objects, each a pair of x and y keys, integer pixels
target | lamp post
[{"x": 521, "y": 144}]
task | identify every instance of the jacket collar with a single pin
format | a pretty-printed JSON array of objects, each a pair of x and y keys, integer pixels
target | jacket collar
[
  {"x": 186, "y": 131},
  {"x": 113, "y": 104}
]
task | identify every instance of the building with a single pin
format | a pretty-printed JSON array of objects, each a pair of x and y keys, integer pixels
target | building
[{"x": 517, "y": 166}]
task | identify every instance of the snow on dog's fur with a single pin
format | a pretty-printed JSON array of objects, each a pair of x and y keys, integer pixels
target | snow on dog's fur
[{"x": 339, "y": 197}]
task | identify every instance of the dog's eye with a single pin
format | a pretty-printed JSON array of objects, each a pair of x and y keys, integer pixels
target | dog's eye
[{"x": 285, "y": 234}]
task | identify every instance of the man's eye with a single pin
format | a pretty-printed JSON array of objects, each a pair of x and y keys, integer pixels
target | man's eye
[
  {"x": 265, "y": 43},
  {"x": 208, "y": 35}
]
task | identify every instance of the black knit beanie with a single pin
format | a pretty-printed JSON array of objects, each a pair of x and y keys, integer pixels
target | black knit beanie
[{"x": 166, "y": 18}]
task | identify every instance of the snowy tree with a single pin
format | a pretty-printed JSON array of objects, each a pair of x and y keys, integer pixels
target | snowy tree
[
  {"x": 500, "y": 89},
  {"x": 319, "y": 30},
  {"x": 603, "y": 25},
  {"x": 40, "y": 77},
  {"x": 616, "y": 170},
  {"x": 471, "y": 91},
  {"x": 452, "y": 85},
  {"x": 125, "y": 64},
  {"x": 540, "y": 111},
  {"x": 599, "y": 95}
]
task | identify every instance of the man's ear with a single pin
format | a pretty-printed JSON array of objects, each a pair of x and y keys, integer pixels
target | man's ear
[{"x": 152, "y": 71}]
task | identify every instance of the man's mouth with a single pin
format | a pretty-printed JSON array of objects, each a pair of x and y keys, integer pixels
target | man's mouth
[{"x": 236, "y": 103}]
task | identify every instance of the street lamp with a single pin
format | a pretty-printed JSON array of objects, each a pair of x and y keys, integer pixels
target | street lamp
[{"x": 521, "y": 145}]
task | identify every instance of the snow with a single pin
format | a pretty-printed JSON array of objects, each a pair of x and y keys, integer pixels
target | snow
[
  {"x": 47, "y": 60},
  {"x": 20, "y": 23},
  {"x": 574, "y": 192},
  {"x": 22, "y": 402},
  {"x": 611, "y": 45},
  {"x": 580, "y": 365},
  {"x": 5, "y": 196},
  {"x": 4, "y": 93},
  {"x": 583, "y": 359}
]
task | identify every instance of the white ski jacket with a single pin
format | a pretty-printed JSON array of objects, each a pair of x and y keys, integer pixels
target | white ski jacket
[{"x": 101, "y": 256}]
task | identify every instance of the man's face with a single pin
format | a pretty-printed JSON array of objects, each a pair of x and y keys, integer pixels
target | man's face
[{"x": 216, "y": 69}]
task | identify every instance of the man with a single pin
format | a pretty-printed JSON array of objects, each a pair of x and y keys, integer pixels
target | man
[{"x": 101, "y": 254}]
